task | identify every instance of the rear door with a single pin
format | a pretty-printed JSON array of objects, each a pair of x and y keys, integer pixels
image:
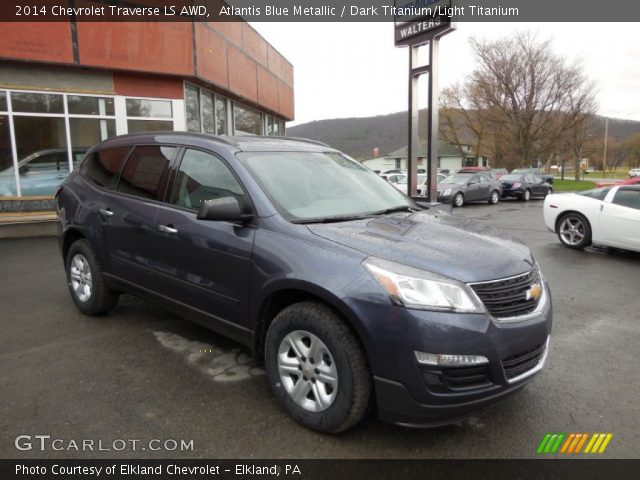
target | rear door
[
  {"x": 129, "y": 210},
  {"x": 620, "y": 219},
  {"x": 205, "y": 264}
]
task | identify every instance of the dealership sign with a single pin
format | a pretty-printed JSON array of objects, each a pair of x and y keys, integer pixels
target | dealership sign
[{"x": 417, "y": 21}]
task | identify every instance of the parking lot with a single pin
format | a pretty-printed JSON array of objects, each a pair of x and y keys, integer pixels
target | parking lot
[{"x": 143, "y": 373}]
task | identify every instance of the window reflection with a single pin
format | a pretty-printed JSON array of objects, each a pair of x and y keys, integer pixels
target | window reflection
[
  {"x": 149, "y": 108},
  {"x": 36, "y": 102}
]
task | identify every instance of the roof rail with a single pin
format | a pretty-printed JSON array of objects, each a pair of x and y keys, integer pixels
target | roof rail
[{"x": 306, "y": 140}]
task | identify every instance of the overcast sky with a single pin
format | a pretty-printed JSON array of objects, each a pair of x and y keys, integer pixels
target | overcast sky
[{"x": 353, "y": 69}]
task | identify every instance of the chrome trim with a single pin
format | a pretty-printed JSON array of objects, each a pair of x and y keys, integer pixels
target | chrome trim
[
  {"x": 535, "y": 369},
  {"x": 542, "y": 303}
]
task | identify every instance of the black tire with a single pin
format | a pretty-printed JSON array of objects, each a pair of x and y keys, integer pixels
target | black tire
[
  {"x": 354, "y": 382},
  {"x": 582, "y": 228},
  {"x": 494, "y": 197},
  {"x": 526, "y": 196},
  {"x": 101, "y": 298},
  {"x": 549, "y": 192},
  {"x": 458, "y": 200}
]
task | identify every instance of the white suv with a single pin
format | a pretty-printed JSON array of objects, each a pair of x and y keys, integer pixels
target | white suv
[{"x": 634, "y": 172}]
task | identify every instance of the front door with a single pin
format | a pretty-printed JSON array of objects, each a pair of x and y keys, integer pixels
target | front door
[
  {"x": 205, "y": 264},
  {"x": 620, "y": 219}
]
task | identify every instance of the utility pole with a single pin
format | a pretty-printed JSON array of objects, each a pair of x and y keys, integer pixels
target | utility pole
[{"x": 604, "y": 155}]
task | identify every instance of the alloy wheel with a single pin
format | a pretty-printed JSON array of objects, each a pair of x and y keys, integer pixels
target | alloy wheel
[
  {"x": 81, "y": 279},
  {"x": 307, "y": 371},
  {"x": 572, "y": 231}
]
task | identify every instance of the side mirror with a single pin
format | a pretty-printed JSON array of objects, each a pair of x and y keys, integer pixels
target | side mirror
[{"x": 223, "y": 209}]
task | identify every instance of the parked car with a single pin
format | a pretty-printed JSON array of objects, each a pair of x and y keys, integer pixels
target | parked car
[
  {"x": 524, "y": 186},
  {"x": 394, "y": 178},
  {"x": 499, "y": 172},
  {"x": 422, "y": 183},
  {"x": 607, "y": 216},
  {"x": 40, "y": 173},
  {"x": 630, "y": 181},
  {"x": 634, "y": 172},
  {"x": 353, "y": 295},
  {"x": 461, "y": 188},
  {"x": 536, "y": 171}
]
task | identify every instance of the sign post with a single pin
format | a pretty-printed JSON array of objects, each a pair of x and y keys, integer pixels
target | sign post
[{"x": 418, "y": 23}]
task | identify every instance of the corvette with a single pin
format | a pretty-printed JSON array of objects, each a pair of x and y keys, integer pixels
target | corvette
[{"x": 607, "y": 216}]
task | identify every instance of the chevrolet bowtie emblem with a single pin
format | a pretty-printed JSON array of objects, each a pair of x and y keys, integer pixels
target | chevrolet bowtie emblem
[{"x": 534, "y": 292}]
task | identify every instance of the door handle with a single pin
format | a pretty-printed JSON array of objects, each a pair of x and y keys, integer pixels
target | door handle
[
  {"x": 167, "y": 229},
  {"x": 106, "y": 212}
]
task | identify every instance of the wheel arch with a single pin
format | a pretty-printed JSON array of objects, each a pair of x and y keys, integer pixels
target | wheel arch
[
  {"x": 563, "y": 214},
  {"x": 69, "y": 238},
  {"x": 283, "y": 295}
]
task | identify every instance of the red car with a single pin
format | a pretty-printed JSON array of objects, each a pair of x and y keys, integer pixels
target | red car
[{"x": 631, "y": 181}]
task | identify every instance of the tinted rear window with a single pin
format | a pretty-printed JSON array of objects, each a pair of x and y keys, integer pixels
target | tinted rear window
[
  {"x": 598, "y": 193},
  {"x": 146, "y": 171},
  {"x": 103, "y": 167}
]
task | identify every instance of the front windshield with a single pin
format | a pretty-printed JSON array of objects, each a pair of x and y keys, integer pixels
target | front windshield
[
  {"x": 321, "y": 185},
  {"x": 458, "y": 178},
  {"x": 511, "y": 178}
]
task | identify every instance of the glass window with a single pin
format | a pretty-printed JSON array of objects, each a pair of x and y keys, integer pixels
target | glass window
[
  {"x": 627, "y": 198},
  {"x": 146, "y": 172},
  {"x": 7, "y": 177},
  {"x": 3, "y": 102},
  {"x": 246, "y": 121},
  {"x": 137, "y": 126},
  {"x": 103, "y": 167},
  {"x": 597, "y": 193},
  {"x": 201, "y": 177},
  {"x": 149, "y": 108},
  {"x": 80, "y": 105},
  {"x": 42, "y": 153},
  {"x": 208, "y": 117},
  {"x": 192, "y": 106},
  {"x": 221, "y": 116},
  {"x": 36, "y": 102},
  {"x": 86, "y": 132}
]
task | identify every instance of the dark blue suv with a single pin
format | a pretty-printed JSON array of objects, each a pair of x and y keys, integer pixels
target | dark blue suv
[{"x": 354, "y": 295}]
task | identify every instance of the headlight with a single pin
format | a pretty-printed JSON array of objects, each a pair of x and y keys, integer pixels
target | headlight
[
  {"x": 415, "y": 288},
  {"x": 516, "y": 185},
  {"x": 446, "y": 193}
]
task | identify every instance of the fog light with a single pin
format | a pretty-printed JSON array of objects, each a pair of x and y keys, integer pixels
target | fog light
[{"x": 442, "y": 360}]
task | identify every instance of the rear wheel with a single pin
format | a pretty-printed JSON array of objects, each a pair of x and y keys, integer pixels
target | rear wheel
[
  {"x": 86, "y": 281},
  {"x": 317, "y": 369},
  {"x": 458, "y": 199},
  {"x": 494, "y": 197},
  {"x": 574, "y": 231}
]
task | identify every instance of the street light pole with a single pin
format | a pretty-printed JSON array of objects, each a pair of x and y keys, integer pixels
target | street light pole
[{"x": 604, "y": 155}]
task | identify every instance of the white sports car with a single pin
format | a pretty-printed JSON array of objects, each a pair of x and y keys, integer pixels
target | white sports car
[{"x": 607, "y": 216}]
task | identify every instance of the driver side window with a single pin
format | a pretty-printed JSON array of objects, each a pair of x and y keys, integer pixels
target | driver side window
[{"x": 201, "y": 177}]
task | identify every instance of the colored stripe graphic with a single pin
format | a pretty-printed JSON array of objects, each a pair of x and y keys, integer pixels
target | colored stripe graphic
[{"x": 573, "y": 443}]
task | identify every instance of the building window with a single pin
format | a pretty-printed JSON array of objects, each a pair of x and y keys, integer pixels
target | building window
[
  {"x": 192, "y": 108},
  {"x": 7, "y": 172},
  {"x": 145, "y": 115},
  {"x": 3, "y": 102},
  {"x": 81, "y": 105},
  {"x": 208, "y": 114},
  {"x": 221, "y": 116},
  {"x": 25, "y": 102},
  {"x": 246, "y": 121}
]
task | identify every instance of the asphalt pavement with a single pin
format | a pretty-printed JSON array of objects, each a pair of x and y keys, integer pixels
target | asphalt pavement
[{"x": 142, "y": 374}]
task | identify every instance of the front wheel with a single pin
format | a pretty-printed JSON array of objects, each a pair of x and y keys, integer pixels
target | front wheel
[
  {"x": 86, "y": 281},
  {"x": 526, "y": 196},
  {"x": 494, "y": 197},
  {"x": 574, "y": 231},
  {"x": 317, "y": 369},
  {"x": 458, "y": 199}
]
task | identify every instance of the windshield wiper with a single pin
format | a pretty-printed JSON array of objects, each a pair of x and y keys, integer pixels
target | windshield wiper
[
  {"x": 335, "y": 219},
  {"x": 400, "y": 208}
]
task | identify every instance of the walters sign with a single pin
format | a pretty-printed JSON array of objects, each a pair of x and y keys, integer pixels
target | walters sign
[{"x": 418, "y": 20}]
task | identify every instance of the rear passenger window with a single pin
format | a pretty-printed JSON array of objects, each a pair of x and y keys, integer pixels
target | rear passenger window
[
  {"x": 102, "y": 168},
  {"x": 201, "y": 177},
  {"x": 146, "y": 171},
  {"x": 628, "y": 198}
]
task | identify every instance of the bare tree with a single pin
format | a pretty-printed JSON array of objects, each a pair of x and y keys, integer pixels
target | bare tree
[{"x": 529, "y": 96}]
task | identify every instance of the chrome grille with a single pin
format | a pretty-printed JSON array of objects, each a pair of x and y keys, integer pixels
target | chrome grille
[{"x": 508, "y": 297}]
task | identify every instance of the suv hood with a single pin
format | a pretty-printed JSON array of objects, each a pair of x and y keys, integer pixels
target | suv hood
[{"x": 457, "y": 248}]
